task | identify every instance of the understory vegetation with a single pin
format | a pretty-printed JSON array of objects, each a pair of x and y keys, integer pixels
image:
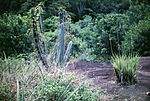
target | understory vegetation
[
  {"x": 96, "y": 29},
  {"x": 24, "y": 80}
]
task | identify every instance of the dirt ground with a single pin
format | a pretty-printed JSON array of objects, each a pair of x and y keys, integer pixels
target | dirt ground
[{"x": 102, "y": 76}]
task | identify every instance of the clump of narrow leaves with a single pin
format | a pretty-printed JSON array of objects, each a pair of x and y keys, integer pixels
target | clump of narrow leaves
[{"x": 126, "y": 67}]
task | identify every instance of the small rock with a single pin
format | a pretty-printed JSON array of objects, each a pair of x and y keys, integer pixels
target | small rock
[{"x": 148, "y": 93}]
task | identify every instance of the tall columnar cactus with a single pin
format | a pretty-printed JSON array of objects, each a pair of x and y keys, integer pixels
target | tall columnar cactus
[
  {"x": 62, "y": 43},
  {"x": 41, "y": 25},
  {"x": 40, "y": 46},
  {"x": 41, "y": 20},
  {"x": 67, "y": 53},
  {"x": 63, "y": 58}
]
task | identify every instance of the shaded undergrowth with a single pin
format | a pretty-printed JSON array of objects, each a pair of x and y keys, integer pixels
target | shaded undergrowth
[{"x": 25, "y": 80}]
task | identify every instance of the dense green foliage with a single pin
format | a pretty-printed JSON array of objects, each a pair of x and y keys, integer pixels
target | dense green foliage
[
  {"x": 137, "y": 38},
  {"x": 15, "y": 37},
  {"x": 97, "y": 28},
  {"x": 111, "y": 29},
  {"x": 126, "y": 67},
  {"x": 83, "y": 37}
]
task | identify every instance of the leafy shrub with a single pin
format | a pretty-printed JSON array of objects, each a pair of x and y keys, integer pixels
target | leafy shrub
[
  {"x": 83, "y": 37},
  {"x": 137, "y": 12},
  {"x": 97, "y": 39},
  {"x": 51, "y": 38},
  {"x": 51, "y": 23},
  {"x": 126, "y": 67},
  {"x": 111, "y": 30},
  {"x": 137, "y": 38},
  {"x": 14, "y": 34}
]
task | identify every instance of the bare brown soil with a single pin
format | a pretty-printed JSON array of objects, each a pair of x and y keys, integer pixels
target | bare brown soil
[{"x": 102, "y": 76}]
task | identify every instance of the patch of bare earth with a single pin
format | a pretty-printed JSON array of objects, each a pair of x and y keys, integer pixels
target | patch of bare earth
[{"x": 101, "y": 75}]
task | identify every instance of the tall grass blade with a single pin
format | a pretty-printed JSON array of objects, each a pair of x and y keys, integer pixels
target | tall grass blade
[
  {"x": 67, "y": 99},
  {"x": 64, "y": 91}
]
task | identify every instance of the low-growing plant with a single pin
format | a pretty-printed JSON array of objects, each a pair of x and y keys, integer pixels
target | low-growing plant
[
  {"x": 24, "y": 80},
  {"x": 126, "y": 67},
  {"x": 58, "y": 90},
  {"x": 5, "y": 92}
]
